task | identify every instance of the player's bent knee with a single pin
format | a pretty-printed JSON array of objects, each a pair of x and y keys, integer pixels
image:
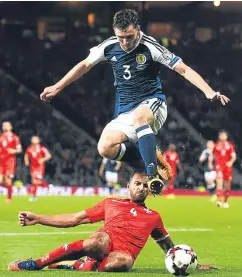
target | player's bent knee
[
  {"x": 118, "y": 262},
  {"x": 104, "y": 149},
  {"x": 97, "y": 245}
]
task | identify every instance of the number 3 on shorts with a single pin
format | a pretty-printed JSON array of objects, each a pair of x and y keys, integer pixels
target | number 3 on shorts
[{"x": 127, "y": 72}]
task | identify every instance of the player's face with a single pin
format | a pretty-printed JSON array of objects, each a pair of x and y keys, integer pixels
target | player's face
[
  {"x": 223, "y": 137},
  {"x": 7, "y": 126},
  {"x": 172, "y": 147},
  {"x": 210, "y": 145},
  {"x": 138, "y": 188},
  {"x": 35, "y": 140},
  {"x": 127, "y": 38}
]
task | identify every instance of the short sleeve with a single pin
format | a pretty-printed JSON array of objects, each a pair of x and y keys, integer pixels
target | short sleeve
[
  {"x": 97, "y": 212},
  {"x": 232, "y": 149},
  {"x": 45, "y": 151},
  {"x": 96, "y": 55},
  {"x": 17, "y": 143},
  {"x": 160, "y": 54},
  {"x": 159, "y": 232}
]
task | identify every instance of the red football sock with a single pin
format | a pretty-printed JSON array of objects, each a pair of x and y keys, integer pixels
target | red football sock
[
  {"x": 10, "y": 192},
  {"x": 72, "y": 251},
  {"x": 227, "y": 195},
  {"x": 34, "y": 190},
  {"x": 219, "y": 194},
  {"x": 170, "y": 187}
]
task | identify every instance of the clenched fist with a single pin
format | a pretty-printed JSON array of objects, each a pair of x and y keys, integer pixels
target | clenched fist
[
  {"x": 49, "y": 93},
  {"x": 27, "y": 218}
]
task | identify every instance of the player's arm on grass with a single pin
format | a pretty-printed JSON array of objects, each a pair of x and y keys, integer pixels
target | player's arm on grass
[
  {"x": 90, "y": 215},
  {"x": 96, "y": 55},
  {"x": 193, "y": 77},
  {"x": 162, "y": 238}
]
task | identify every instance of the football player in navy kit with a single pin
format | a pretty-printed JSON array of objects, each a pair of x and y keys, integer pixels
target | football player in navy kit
[{"x": 140, "y": 107}]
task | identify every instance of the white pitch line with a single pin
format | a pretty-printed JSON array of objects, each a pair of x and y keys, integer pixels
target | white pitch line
[{"x": 92, "y": 231}]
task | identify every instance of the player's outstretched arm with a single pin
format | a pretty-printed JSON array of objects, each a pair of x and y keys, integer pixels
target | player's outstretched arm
[
  {"x": 192, "y": 76},
  {"x": 75, "y": 73},
  {"x": 58, "y": 221}
]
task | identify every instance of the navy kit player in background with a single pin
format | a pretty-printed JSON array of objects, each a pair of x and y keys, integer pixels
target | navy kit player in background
[
  {"x": 208, "y": 163},
  {"x": 109, "y": 170},
  {"x": 140, "y": 108}
]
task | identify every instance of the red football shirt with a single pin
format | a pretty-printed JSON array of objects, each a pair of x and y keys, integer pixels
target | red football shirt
[
  {"x": 35, "y": 153},
  {"x": 223, "y": 152},
  {"x": 129, "y": 224},
  {"x": 173, "y": 159},
  {"x": 8, "y": 140}
]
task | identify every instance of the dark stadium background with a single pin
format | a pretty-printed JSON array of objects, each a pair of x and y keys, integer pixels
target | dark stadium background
[{"x": 41, "y": 41}]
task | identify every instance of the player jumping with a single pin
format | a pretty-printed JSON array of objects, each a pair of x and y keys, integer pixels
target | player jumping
[
  {"x": 140, "y": 108},
  {"x": 128, "y": 223},
  {"x": 9, "y": 147},
  {"x": 225, "y": 157},
  {"x": 173, "y": 159},
  {"x": 35, "y": 156},
  {"x": 207, "y": 161},
  {"x": 110, "y": 168}
]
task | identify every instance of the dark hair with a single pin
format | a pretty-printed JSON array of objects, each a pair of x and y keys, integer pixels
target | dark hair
[
  {"x": 124, "y": 18},
  {"x": 223, "y": 131},
  {"x": 137, "y": 171}
]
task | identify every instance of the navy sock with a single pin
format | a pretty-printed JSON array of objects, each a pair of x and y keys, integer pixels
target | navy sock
[
  {"x": 128, "y": 152},
  {"x": 147, "y": 148}
]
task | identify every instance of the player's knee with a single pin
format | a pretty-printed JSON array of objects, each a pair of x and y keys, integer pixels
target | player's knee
[
  {"x": 119, "y": 264},
  {"x": 104, "y": 149}
]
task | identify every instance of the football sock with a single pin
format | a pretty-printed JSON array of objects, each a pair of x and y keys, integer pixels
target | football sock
[
  {"x": 147, "y": 148},
  {"x": 219, "y": 194},
  {"x": 212, "y": 190},
  {"x": 34, "y": 190},
  {"x": 72, "y": 251},
  {"x": 88, "y": 265},
  {"x": 129, "y": 153},
  {"x": 110, "y": 190},
  {"x": 227, "y": 193},
  {"x": 10, "y": 192},
  {"x": 170, "y": 187}
]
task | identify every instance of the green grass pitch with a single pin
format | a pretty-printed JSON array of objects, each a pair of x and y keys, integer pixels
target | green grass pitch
[{"x": 214, "y": 233}]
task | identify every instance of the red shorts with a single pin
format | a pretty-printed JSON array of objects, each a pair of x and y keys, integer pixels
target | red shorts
[
  {"x": 119, "y": 244},
  {"x": 7, "y": 168},
  {"x": 224, "y": 172},
  {"x": 37, "y": 172}
]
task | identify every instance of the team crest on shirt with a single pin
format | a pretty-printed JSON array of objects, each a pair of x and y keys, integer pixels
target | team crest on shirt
[{"x": 141, "y": 59}]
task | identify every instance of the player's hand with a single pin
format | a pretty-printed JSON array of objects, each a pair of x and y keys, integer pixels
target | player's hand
[
  {"x": 222, "y": 98},
  {"x": 41, "y": 161},
  {"x": 229, "y": 164},
  {"x": 207, "y": 267},
  {"x": 11, "y": 151},
  {"x": 27, "y": 218},
  {"x": 49, "y": 93}
]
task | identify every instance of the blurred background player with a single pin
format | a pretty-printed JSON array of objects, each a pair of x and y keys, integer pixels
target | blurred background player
[
  {"x": 207, "y": 161},
  {"x": 36, "y": 155},
  {"x": 9, "y": 146},
  {"x": 225, "y": 157},
  {"x": 173, "y": 159},
  {"x": 109, "y": 170}
]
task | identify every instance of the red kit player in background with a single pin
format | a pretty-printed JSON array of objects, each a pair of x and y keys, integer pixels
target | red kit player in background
[
  {"x": 173, "y": 159},
  {"x": 35, "y": 156},
  {"x": 225, "y": 157},
  {"x": 9, "y": 146},
  {"x": 128, "y": 223}
]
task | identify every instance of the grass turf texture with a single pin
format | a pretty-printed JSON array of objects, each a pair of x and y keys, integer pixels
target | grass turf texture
[{"x": 220, "y": 246}]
